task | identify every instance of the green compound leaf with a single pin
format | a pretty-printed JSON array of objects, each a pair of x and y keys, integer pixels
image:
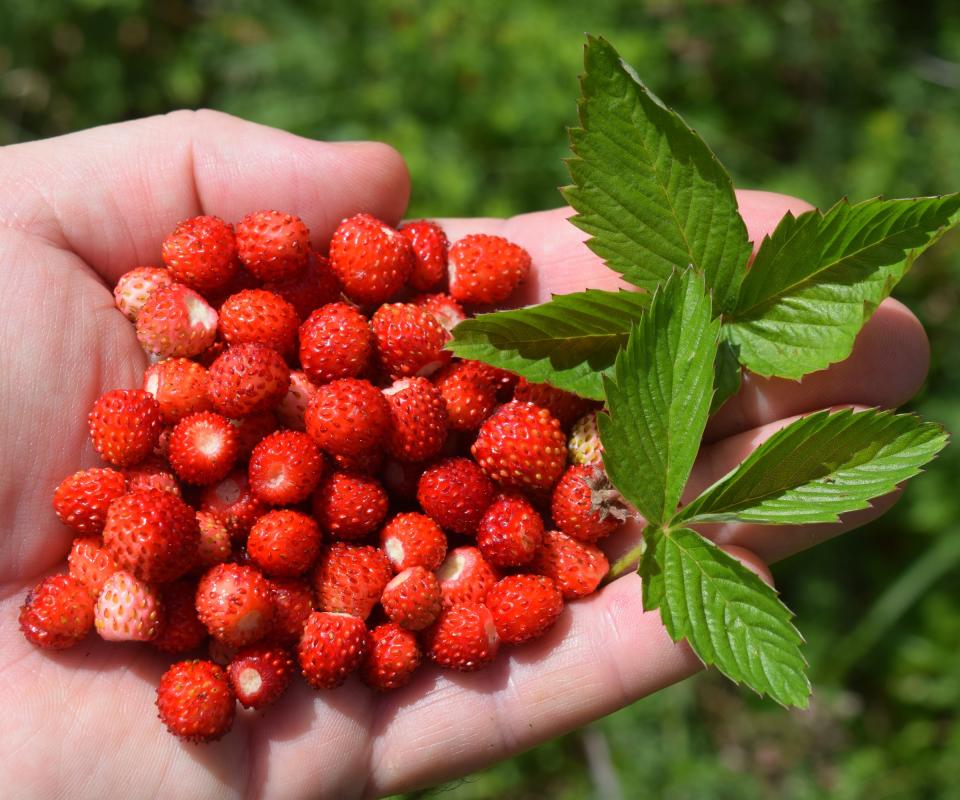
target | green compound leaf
[
  {"x": 659, "y": 397},
  {"x": 819, "y": 277},
  {"x": 729, "y": 616},
  {"x": 819, "y": 467},
  {"x": 570, "y": 342},
  {"x": 726, "y": 374},
  {"x": 648, "y": 190}
]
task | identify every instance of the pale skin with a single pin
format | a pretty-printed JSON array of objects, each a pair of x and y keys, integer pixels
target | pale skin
[{"x": 79, "y": 211}]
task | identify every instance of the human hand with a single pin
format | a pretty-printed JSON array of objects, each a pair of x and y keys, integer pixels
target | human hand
[{"x": 83, "y": 209}]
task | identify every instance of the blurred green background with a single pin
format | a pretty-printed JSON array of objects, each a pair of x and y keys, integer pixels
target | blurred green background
[{"x": 818, "y": 99}]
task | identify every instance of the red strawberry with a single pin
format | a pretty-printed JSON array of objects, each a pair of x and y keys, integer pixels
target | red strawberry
[
  {"x": 413, "y": 540},
  {"x": 57, "y": 613},
  {"x": 332, "y": 646},
  {"x": 524, "y": 607},
  {"x": 256, "y": 316},
  {"x": 201, "y": 252},
  {"x": 371, "y": 259},
  {"x": 260, "y": 673},
  {"x": 486, "y": 269},
  {"x": 284, "y": 543},
  {"x": 456, "y": 493},
  {"x": 285, "y": 468},
  {"x": 521, "y": 445},
  {"x": 127, "y": 610},
  {"x": 203, "y": 448},
  {"x": 196, "y": 701},
  {"x": 181, "y": 629},
  {"x": 179, "y": 386},
  {"x": 233, "y": 503},
  {"x": 253, "y": 429},
  {"x": 349, "y": 505},
  {"x": 348, "y": 417},
  {"x": 293, "y": 407},
  {"x": 274, "y": 246},
  {"x": 350, "y": 579},
  {"x": 90, "y": 564},
  {"x": 292, "y": 604},
  {"x": 409, "y": 340},
  {"x": 152, "y": 534},
  {"x": 468, "y": 392},
  {"x": 566, "y": 407},
  {"x": 316, "y": 286},
  {"x": 247, "y": 378},
  {"x": 235, "y": 603},
  {"x": 335, "y": 342},
  {"x": 573, "y": 508},
  {"x": 447, "y": 311},
  {"x": 464, "y": 638},
  {"x": 125, "y": 426},
  {"x": 511, "y": 531},
  {"x": 418, "y": 419},
  {"x": 505, "y": 381},
  {"x": 215, "y": 545},
  {"x": 393, "y": 657},
  {"x": 176, "y": 322},
  {"x": 412, "y": 599},
  {"x": 465, "y": 577},
  {"x": 82, "y": 499},
  {"x": 152, "y": 473},
  {"x": 584, "y": 446},
  {"x": 575, "y": 567},
  {"x": 430, "y": 245},
  {"x": 135, "y": 287}
]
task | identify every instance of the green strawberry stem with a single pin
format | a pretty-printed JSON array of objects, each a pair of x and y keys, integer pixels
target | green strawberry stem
[{"x": 626, "y": 563}]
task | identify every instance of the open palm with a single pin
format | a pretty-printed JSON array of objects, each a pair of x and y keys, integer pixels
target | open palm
[{"x": 81, "y": 210}]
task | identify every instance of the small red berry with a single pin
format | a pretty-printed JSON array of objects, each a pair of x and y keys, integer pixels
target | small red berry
[
  {"x": 176, "y": 322},
  {"x": 203, "y": 448},
  {"x": 348, "y": 417},
  {"x": 565, "y": 406},
  {"x": 350, "y": 578},
  {"x": 350, "y": 505},
  {"x": 284, "y": 543},
  {"x": 179, "y": 386},
  {"x": 430, "y": 245},
  {"x": 201, "y": 252},
  {"x": 456, "y": 493},
  {"x": 371, "y": 259},
  {"x": 235, "y": 604},
  {"x": 125, "y": 426},
  {"x": 418, "y": 419},
  {"x": 128, "y": 609},
  {"x": 335, "y": 342},
  {"x": 511, "y": 531},
  {"x": 412, "y": 599},
  {"x": 573, "y": 509},
  {"x": 332, "y": 646},
  {"x": 413, "y": 540},
  {"x": 57, "y": 613},
  {"x": 465, "y": 577},
  {"x": 180, "y": 628},
  {"x": 134, "y": 288},
  {"x": 196, "y": 701},
  {"x": 316, "y": 286},
  {"x": 272, "y": 245},
  {"x": 524, "y": 607},
  {"x": 447, "y": 311},
  {"x": 260, "y": 673},
  {"x": 486, "y": 269},
  {"x": 82, "y": 499},
  {"x": 463, "y": 638},
  {"x": 256, "y": 316},
  {"x": 90, "y": 564},
  {"x": 469, "y": 393},
  {"x": 232, "y": 502},
  {"x": 215, "y": 546},
  {"x": 247, "y": 378},
  {"x": 575, "y": 567},
  {"x": 285, "y": 468},
  {"x": 409, "y": 340},
  {"x": 393, "y": 657}
]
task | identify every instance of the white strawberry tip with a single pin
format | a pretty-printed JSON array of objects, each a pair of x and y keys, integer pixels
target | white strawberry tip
[
  {"x": 396, "y": 386},
  {"x": 452, "y": 567},
  {"x": 250, "y": 681},
  {"x": 398, "y": 579},
  {"x": 428, "y": 369},
  {"x": 394, "y": 550},
  {"x": 200, "y": 313}
]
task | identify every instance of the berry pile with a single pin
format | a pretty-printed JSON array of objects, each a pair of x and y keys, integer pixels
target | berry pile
[{"x": 308, "y": 481}]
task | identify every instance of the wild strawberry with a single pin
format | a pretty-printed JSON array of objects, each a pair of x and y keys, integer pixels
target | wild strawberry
[
  {"x": 152, "y": 473},
  {"x": 456, "y": 493},
  {"x": 125, "y": 425},
  {"x": 260, "y": 673},
  {"x": 400, "y": 478},
  {"x": 510, "y": 532},
  {"x": 463, "y": 638},
  {"x": 196, "y": 701},
  {"x": 247, "y": 378},
  {"x": 521, "y": 445},
  {"x": 409, "y": 340},
  {"x": 574, "y": 510},
  {"x": 57, "y": 613},
  {"x": 566, "y": 407},
  {"x": 256, "y": 316},
  {"x": 82, "y": 499},
  {"x": 504, "y": 381},
  {"x": 332, "y": 646},
  {"x": 412, "y": 599},
  {"x": 235, "y": 604},
  {"x": 447, "y": 311},
  {"x": 469, "y": 394},
  {"x": 90, "y": 564},
  {"x": 215, "y": 546},
  {"x": 348, "y": 417},
  {"x": 350, "y": 578},
  {"x": 418, "y": 419},
  {"x": 152, "y": 534},
  {"x": 413, "y": 540},
  {"x": 335, "y": 342},
  {"x": 393, "y": 657},
  {"x": 316, "y": 286},
  {"x": 127, "y": 610},
  {"x": 524, "y": 607},
  {"x": 371, "y": 259},
  {"x": 233, "y": 503},
  {"x": 465, "y": 577},
  {"x": 274, "y": 246},
  {"x": 486, "y": 269},
  {"x": 349, "y": 505},
  {"x": 284, "y": 543},
  {"x": 135, "y": 287},
  {"x": 285, "y": 468},
  {"x": 179, "y": 386},
  {"x": 292, "y": 604},
  {"x": 176, "y": 322},
  {"x": 575, "y": 567},
  {"x": 180, "y": 628},
  {"x": 201, "y": 252},
  {"x": 253, "y": 429},
  {"x": 203, "y": 448},
  {"x": 430, "y": 245},
  {"x": 584, "y": 446},
  {"x": 293, "y": 407}
]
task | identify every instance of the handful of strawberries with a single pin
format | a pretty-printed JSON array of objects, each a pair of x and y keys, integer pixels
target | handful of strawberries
[{"x": 308, "y": 481}]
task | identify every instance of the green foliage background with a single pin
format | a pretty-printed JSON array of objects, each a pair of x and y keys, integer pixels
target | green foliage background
[{"x": 817, "y": 98}]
